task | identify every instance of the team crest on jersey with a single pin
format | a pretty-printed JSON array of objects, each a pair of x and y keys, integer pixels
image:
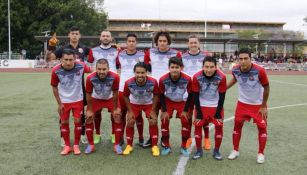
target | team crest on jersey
[
  {"x": 251, "y": 78},
  {"x": 215, "y": 83},
  {"x": 78, "y": 73},
  {"x": 80, "y": 50}
]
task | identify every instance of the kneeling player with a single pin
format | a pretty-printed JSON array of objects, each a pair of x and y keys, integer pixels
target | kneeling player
[
  {"x": 102, "y": 92},
  {"x": 66, "y": 82},
  {"x": 141, "y": 93},
  {"x": 209, "y": 87},
  {"x": 176, "y": 94}
]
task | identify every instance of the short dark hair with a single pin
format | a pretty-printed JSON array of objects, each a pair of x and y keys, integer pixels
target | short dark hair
[
  {"x": 175, "y": 60},
  {"x": 132, "y": 35},
  {"x": 163, "y": 33},
  {"x": 140, "y": 64},
  {"x": 74, "y": 28},
  {"x": 193, "y": 36},
  {"x": 245, "y": 50},
  {"x": 68, "y": 51},
  {"x": 209, "y": 59},
  {"x": 102, "y": 61}
]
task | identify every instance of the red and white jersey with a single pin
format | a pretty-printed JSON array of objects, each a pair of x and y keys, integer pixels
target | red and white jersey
[
  {"x": 176, "y": 91},
  {"x": 141, "y": 95},
  {"x": 69, "y": 82},
  {"x": 111, "y": 54},
  {"x": 159, "y": 61},
  {"x": 127, "y": 62},
  {"x": 102, "y": 89},
  {"x": 193, "y": 63},
  {"x": 251, "y": 84},
  {"x": 209, "y": 88}
]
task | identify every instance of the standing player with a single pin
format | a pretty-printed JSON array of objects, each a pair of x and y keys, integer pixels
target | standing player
[
  {"x": 81, "y": 53},
  {"x": 176, "y": 94},
  {"x": 253, "y": 85},
  {"x": 141, "y": 93},
  {"x": 193, "y": 62},
  {"x": 66, "y": 82},
  {"x": 209, "y": 87},
  {"x": 102, "y": 92},
  {"x": 109, "y": 52},
  {"x": 158, "y": 58},
  {"x": 127, "y": 59}
]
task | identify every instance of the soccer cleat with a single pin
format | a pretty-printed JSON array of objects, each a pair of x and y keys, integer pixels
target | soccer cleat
[
  {"x": 97, "y": 138},
  {"x": 260, "y": 158},
  {"x": 89, "y": 149},
  {"x": 217, "y": 155},
  {"x": 155, "y": 151},
  {"x": 84, "y": 139},
  {"x": 66, "y": 150},
  {"x": 128, "y": 150},
  {"x": 198, "y": 154},
  {"x": 184, "y": 152},
  {"x": 76, "y": 150},
  {"x": 165, "y": 151},
  {"x": 62, "y": 142},
  {"x": 113, "y": 138},
  {"x": 118, "y": 149},
  {"x": 233, "y": 155},
  {"x": 207, "y": 145},
  {"x": 147, "y": 144},
  {"x": 189, "y": 143},
  {"x": 141, "y": 142}
]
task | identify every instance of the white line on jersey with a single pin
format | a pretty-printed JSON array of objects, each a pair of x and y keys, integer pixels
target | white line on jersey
[{"x": 180, "y": 169}]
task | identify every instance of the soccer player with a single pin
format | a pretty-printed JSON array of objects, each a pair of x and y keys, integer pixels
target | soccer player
[
  {"x": 110, "y": 52},
  {"x": 102, "y": 92},
  {"x": 193, "y": 62},
  {"x": 158, "y": 58},
  {"x": 141, "y": 93},
  {"x": 127, "y": 59},
  {"x": 176, "y": 94},
  {"x": 253, "y": 85},
  {"x": 66, "y": 82},
  {"x": 81, "y": 53},
  {"x": 209, "y": 88}
]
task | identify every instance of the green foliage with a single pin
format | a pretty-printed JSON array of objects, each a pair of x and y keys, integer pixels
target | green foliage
[{"x": 31, "y": 17}]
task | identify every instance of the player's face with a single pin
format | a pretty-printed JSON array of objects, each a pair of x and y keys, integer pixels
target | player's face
[
  {"x": 163, "y": 43},
  {"x": 68, "y": 61},
  {"x": 102, "y": 70},
  {"x": 209, "y": 68},
  {"x": 105, "y": 38},
  {"x": 131, "y": 43},
  {"x": 245, "y": 61},
  {"x": 74, "y": 36},
  {"x": 193, "y": 44},
  {"x": 140, "y": 75},
  {"x": 175, "y": 70}
]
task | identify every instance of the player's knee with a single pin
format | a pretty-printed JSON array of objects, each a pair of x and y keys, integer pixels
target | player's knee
[
  {"x": 77, "y": 120},
  {"x": 131, "y": 123},
  {"x": 64, "y": 121}
]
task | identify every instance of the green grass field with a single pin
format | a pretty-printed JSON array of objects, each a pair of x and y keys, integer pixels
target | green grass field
[{"x": 29, "y": 136}]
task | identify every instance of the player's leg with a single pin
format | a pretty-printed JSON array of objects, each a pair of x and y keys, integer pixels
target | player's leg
[
  {"x": 89, "y": 130},
  {"x": 166, "y": 148},
  {"x": 136, "y": 109},
  {"x": 153, "y": 130},
  {"x": 262, "y": 135},
  {"x": 77, "y": 112},
  {"x": 97, "y": 123},
  {"x": 207, "y": 144},
  {"x": 185, "y": 135},
  {"x": 83, "y": 123},
  {"x": 65, "y": 131},
  {"x": 140, "y": 128},
  {"x": 198, "y": 134}
]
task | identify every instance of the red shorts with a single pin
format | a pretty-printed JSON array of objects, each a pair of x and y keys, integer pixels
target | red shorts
[
  {"x": 137, "y": 109},
  {"x": 122, "y": 101},
  {"x": 244, "y": 112},
  {"x": 209, "y": 114},
  {"x": 75, "y": 107},
  {"x": 100, "y": 104},
  {"x": 172, "y": 106}
]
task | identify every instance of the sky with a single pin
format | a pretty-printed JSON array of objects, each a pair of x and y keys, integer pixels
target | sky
[{"x": 292, "y": 12}]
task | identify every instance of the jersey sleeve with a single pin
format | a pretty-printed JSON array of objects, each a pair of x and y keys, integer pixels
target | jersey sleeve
[
  {"x": 90, "y": 56},
  {"x": 161, "y": 86},
  {"x": 263, "y": 78},
  {"x": 87, "y": 69},
  {"x": 147, "y": 57},
  {"x": 88, "y": 85},
  {"x": 118, "y": 66},
  {"x": 115, "y": 86},
  {"x": 189, "y": 87},
  {"x": 222, "y": 85},
  {"x": 179, "y": 54},
  {"x": 54, "y": 79},
  {"x": 126, "y": 90},
  {"x": 195, "y": 84},
  {"x": 156, "y": 88}
]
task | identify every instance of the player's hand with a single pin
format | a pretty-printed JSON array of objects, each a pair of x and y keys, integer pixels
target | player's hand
[
  {"x": 264, "y": 113},
  {"x": 130, "y": 119},
  {"x": 89, "y": 116},
  {"x": 185, "y": 115},
  {"x": 164, "y": 116},
  {"x": 60, "y": 109},
  {"x": 152, "y": 118},
  {"x": 219, "y": 121},
  {"x": 117, "y": 115},
  {"x": 198, "y": 122}
]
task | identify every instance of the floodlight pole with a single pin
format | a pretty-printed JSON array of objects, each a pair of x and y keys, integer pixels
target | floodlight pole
[{"x": 9, "y": 27}]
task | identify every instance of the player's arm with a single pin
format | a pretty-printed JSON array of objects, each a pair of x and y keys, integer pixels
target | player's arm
[
  {"x": 195, "y": 88},
  {"x": 231, "y": 82},
  {"x": 263, "y": 78},
  {"x": 164, "y": 115},
  {"x": 88, "y": 95},
  {"x": 222, "y": 93},
  {"x": 116, "y": 112},
  {"x": 147, "y": 60},
  {"x": 58, "y": 100},
  {"x": 130, "y": 115}
]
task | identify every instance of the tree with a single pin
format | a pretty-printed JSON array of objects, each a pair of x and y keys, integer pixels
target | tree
[{"x": 31, "y": 17}]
